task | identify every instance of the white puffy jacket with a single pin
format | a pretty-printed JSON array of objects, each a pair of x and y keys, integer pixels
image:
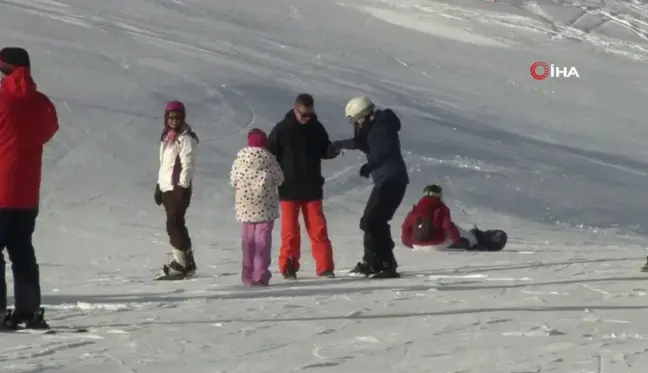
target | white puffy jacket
[
  {"x": 256, "y": 175},
  {"x": 177, "y": 160}
]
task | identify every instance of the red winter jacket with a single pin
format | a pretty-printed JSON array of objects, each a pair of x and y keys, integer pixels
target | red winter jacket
[
  {"x": 28, "y": 120},
  {"x": 431, "y": 207}
]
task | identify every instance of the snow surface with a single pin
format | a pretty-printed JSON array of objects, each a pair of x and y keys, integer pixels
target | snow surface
[{"x": 560, "y": 164}]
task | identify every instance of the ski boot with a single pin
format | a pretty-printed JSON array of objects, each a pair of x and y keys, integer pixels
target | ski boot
[
  {"x": 6, "y": 321},
  {"x": 35, "y": 320},
  {"x": 182, "y": 265},
  {"x": 290, "y": 272},
  {"x": 13, "y": 320},
  {"x": 645, "y": 267},
  {"x": 327, "y": 274},
  {"x": 362, "y": 269},
  {"x": 387, "y": 270}
]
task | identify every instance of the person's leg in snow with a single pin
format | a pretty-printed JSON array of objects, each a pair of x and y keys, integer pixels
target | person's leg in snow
[
  {"x": 366, "y": 267},
  {"x": 262, "y": 253},
  {"x": 4, "y": 233},
  {"x": 247, "y": 248},
  {"x": 16, "y": 229},
  {"x": 322, "y": 249},
  {"x": 378, "y": 259},
  {"x": 175, "y": 204},
  {"x": 290, "y": 251}
]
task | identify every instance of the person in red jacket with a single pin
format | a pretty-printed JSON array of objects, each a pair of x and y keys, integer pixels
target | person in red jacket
[
  {"x": 28, "y": 120},
  {"x": 429, "y": 223}
]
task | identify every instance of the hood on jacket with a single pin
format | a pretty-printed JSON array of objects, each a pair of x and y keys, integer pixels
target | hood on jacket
[
  {"x": 428, "y": 203},
  {"x": 12, "y": 58},
  {"x": 387, "y": 118},
  {"x": 257, "y": 158},
  {"x": 19, "y": 83}
]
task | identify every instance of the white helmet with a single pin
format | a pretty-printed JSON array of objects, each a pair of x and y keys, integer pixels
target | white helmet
[{"x": 358, "y": 108}]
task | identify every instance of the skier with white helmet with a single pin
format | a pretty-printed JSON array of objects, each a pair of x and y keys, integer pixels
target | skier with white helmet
[{"x": 376, "y": 135}]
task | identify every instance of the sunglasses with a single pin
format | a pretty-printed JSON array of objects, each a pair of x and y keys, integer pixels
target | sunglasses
[{"x": 306, "y": 115}]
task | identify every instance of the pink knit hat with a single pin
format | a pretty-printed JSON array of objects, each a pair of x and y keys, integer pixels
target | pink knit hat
[{"x": 257, "y": 138}]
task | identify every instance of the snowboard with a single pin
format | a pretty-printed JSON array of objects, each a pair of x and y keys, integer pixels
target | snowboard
[
  {"x": 53, "y": 330},
  {"x": 347, "y": 275},
  {"x": 172, "y": 277},
  {"x": 382, "y": 275},
  {"x": 490, "y": 240},
  {"x": 376, "y": 276},
  {"x": 168, "y": 276}
]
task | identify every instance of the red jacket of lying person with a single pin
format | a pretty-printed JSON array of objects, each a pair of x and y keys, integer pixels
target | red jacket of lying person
[{"x": 429, "y": 223}]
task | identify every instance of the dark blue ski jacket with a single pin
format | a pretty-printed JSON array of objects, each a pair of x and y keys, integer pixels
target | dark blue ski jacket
[{"x": 380, "y": 142}]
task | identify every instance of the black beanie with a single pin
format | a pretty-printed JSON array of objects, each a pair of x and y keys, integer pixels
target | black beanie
[{"x": 14, "y": 57}]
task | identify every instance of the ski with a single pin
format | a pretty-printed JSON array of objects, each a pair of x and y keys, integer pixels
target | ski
[
  {"x": 376, "y": 276},
  {"x": 172, "y": 277},
  {"x": 23, "y": 330}
]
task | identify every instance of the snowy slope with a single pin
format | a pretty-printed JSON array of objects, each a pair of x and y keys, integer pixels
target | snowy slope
[{"x": 559, "y": 163}]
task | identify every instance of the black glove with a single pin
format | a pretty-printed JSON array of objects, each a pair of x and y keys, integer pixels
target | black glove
[
  {"x": 365, "y": 170},
  {"x": 332, "y": 151},
  {"x": 157, "y": 196}
]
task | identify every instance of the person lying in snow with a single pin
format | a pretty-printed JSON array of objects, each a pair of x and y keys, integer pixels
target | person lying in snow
[{"x": 429, "y": 225}]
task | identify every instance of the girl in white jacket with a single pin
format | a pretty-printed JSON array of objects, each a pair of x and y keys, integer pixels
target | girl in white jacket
[
  {"x": 256, "y": 175},
  {"x": 173, "y": 191}
]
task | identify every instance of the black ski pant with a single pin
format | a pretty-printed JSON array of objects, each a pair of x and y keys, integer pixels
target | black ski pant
[
  {"x": 380, "y": 209},
  {"x": 16, "y": 229},
  {"x": 176, "y": 203}
]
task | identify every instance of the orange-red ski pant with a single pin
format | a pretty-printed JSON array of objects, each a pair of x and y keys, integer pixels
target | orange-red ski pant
[{"x": 315, "y": 222}]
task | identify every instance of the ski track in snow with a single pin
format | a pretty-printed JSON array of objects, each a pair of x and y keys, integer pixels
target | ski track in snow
[{"x": 559, "y": 164}]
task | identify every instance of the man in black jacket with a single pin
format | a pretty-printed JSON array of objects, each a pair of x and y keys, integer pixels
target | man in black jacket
[
  {"x": 300, "y": 142},
  {"x": 376, "y": 135}
]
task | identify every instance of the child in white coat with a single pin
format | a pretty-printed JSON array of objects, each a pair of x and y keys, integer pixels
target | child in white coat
[
  {"x": 256, "y": 175},
  {"x": 175, "y": 182}
]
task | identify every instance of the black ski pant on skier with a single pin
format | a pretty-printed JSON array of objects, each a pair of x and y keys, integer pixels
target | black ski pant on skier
[
  {"x": 16, "y": 230},
  {"x": 176, "y": 202},
  {"x": 378, "y": 243}
]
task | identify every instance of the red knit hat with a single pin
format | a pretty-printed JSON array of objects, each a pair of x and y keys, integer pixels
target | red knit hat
[{"x": 257, "y": 138}]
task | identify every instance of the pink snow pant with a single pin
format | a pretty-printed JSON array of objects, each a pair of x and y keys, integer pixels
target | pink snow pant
[{"x": 256, "y": 244}]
